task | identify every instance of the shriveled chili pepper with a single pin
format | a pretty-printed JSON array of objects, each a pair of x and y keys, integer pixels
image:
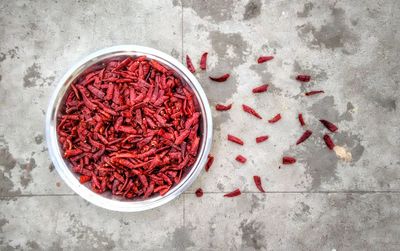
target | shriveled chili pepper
[
  {"x": 235, "y": 139},
  {"x": 199, "y": 192},
  {"x": 234, "y": 193},
  {"x": 189, "y": 64},
  {"x": 330, "y": 126},
  {"x": 329, "y": 142},
  {"x": 287, "y": 160},
  {"x": 263, "y": 59},
  {"x": 276, "y": 118},
  {"x": 261, "y": 88},
  {"x": 220, "y": 107},
  {"x": 221, "y": 78},
  {"x": 203, "y": 61},
  {"x": 304, "y": 137},
  {"x": 301, "y": 119},
  {"x": 261, "y": 138},
  {"x": 303, "y": 78},
  {"x": 210, "y": 160},
  {"x": 241, "y": 159},
  {"x": 83, "y": 179},
  {"x": 310, "y": 93},
  {"x": 251, "y": 111},
  {"x": 257, "y": 181}
]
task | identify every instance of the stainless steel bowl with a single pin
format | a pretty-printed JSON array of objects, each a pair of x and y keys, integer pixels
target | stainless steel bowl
[{"x": 107, "y": 200}]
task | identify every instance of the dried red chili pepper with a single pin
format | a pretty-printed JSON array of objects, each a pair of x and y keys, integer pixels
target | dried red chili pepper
[
  {"x": 263, "y": 59},
  {"x": 234, "y": 193},
  {"x": 83, "y": 179},
  {"x": 220, "y": 107},
  {"x": 261, "y": 88},
  {"x": 329, "y": 142},
  {"x": 210, "y": 160},
  {"x": 251, "y": 111},
  {"x": 203, "y": 61},
  {"x": 257, "y": 181},
  {"x": 301, "y": 119},
  {"x": 222, "y": 78},
  {"x": 330, "y": 126},
  {"x": 310, "y": 93},
  {"x": 304, "y": 137},
  {"x": 241, "y": 159},
  {"x": 199, "y": 192},
  {"x": 262, "y": 138},
  {"x": 235, "y": 139},
  {"x": 287, "y": 160},
  {"x": 276, "y": 118},
  {"x": 303, "y": 78},
  {"x": 189, "y": 64}
]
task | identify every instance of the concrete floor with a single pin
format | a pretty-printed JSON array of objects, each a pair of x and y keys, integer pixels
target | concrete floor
[{"x": 352, "y": 50}]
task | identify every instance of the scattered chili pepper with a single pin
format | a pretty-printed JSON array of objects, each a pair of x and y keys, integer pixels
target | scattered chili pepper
[
  {"x": 301, "y": 120},
  {"x": 329, "y": 142},
  {"x": 330, "y": 126},
  {"x": 131, "y": 128},
  {"x": 286, "y": 160},
  {"x": 257, "y": 181},
  {"x": 303, "y": 78},
  {"x": 251, "y": 111},
  {"x": 276, "y": 118},
  {"x": 241, "y": 159},
  {"x": 199, "y": 192},
  {"x": 220, "y": 107},
  {"x": 310, "y": 93},
  {"x": 222, "y": 78},
  {"x": 203, "y": 61},
  {"x": 304, "y": 137},
  {"x": 189, "y": 64},
  {"x": 261, "y": 88},
  {"x": 261, "y": 138},
  {"x": 263, "y": 59},
  {"x": 235, "y": 139},
  {"x": 210, "y": 160},
  {"x": 234, "y": 193}
]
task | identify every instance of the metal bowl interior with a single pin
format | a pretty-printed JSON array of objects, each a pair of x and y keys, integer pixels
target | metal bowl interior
[{"x": 107, "y": 200}]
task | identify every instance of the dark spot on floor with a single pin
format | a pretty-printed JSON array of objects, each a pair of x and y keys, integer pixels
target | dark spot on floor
[
  {"x": 27, "y": 168},
  {"x": 2, "y": 223},
  {"x": 252, "y": 9},
  {"x": 51, "y": 167},
  {"x": 306, "y": 10},
  {"x": 175, "y": 54},
  {"x": 180, "y": 239},
  {"x": 58, "y": 184},
  {"x": 347, "y": 115},
  {"x": 217, "y": 10},
  {"x": 302, "y": 211},
  {"x": 387, "y": 103},
  {"x": 257, "y": 201},
  {"x": 13, "y": 52},
  {"x": 6, "y": 159},
  {"x": 39, "y": 139},
  {"x": 220, "y": 186},
  {"x": 33, "y": 245},
  {"x": 252, "y": 234},
  {"x": 7, "y": 186},
  {"x": 32, "y": 75}
]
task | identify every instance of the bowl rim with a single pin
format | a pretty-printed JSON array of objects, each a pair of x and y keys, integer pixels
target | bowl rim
[{"x": 68, "y": 176}]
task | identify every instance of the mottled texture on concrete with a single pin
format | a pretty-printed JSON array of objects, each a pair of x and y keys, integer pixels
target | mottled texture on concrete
[{"x": 351, "y": 50}]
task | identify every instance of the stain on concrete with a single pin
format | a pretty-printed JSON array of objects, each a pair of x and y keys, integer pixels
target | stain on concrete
[
  {"x": 3, "y": 56},
  {"x": 252, "y": 234},
  {"x": 216, "y": 10},
  {"x": 306, "y": 10},
  {"x": 13, "y": 52},
  {"x": 7, "y": 186},
  {"x": 316, "y": 73},
  {"x": 257, "y": 201},
  {"x": 51, "y": 167},
  {"x": 302, "y": 212},
  {"x": 3, "y": 222},
  {"x": 180, "y": 239},
  {"x": 39, "y": 139},
  {"x": 175, "y": 53},
  {"x": 33, "y": 77},
  {"x": 26, "y": 177},
  {"x": 348, "y": 114},
  {"x": 252, "y": 9},
  {"x": 221, "y": 187},
  {"x": 387, "y": 103},
  {"x": 33, "y": 245},
  {"x": 6, "y": 159},
  {"x": 332, "y": 35}
]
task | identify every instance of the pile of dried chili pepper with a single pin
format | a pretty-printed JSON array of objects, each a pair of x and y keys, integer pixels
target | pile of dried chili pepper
[{"x": 130, "y": 127}]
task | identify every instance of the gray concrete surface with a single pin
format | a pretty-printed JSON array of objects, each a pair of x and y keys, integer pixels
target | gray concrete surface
[{"x": 351, "y": 48}]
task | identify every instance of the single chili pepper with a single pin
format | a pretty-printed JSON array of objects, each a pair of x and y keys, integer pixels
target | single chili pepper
[
  {"x": 261, "y": 138},
  {"x": 83, "y": 179},
  {"x": 303, "y": 78},
  {"x": 199, "y": 192},
  {"x": 210, "y": 160},
  {"x": 330, "y": 126},
  {"x": 301, "y": 119},
  {"x": 203, "y": 61},
  {"x": 261, "y": 88},
  {"x": 222, "y": 78},
  {"x": 235, "y": 139},
  {"x": 220, "y": 107},
  {"x": 234, "y": 193},
  {"x": 241, "y": 159},
  {"x": 287, "y": 160},
  {"x": 251, "y": 111},
  {"x": 304, "y": 137},
  {"x": 310, "y": 93},
  {"x": 257, "y": 181},
  {"x": 276, "y": 118},
  {"x": 329, "y": 142},
  {"x": 189, "y": 64},
  {"x": 263, "y": 59}
]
